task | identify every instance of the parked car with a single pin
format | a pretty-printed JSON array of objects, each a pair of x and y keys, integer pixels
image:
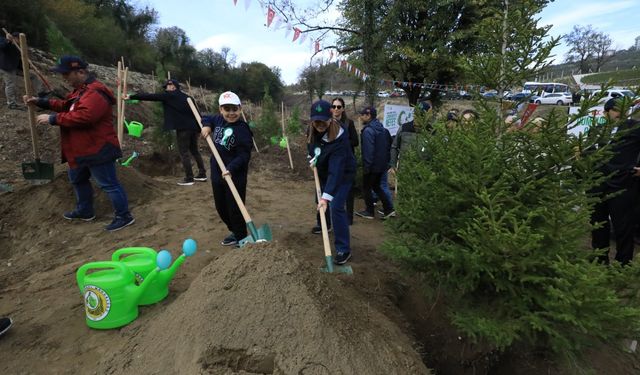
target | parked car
[
  {"x": 558, "y": 98},
  {"x": 614, "y": 93},
  {"x": 383, "y": 94},
  {"x": 490, "y": 94},
  {"x": 518, "y": 97}
]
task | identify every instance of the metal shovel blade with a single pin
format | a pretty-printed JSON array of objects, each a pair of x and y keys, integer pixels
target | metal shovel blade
[
  {"x": 262, "y": 234},
  {"x": 331, "y": 267},
  {"x": 37, "y": 171}
]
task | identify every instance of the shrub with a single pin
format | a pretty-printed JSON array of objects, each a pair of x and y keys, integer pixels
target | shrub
[
  {"x": 268, "y": 125},
  {"x": 499, "y": 220},
  {"x": 294, "y": 125}
]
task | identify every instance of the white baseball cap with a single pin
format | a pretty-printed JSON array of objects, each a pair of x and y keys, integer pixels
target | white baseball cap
[{"x": 228, "y": 97}]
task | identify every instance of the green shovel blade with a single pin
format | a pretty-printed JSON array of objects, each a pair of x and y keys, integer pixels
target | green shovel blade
[{"x": 262, "y": 234}]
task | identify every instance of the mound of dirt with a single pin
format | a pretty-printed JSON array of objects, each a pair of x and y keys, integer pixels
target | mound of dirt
[{"x": 260, "y": 310}]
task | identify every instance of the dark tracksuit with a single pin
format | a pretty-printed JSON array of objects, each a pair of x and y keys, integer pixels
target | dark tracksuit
[
  {"x": 348, "y": 125},
  {"x": 235, "y": 153},
  {"x": 178, "y": 116},
  {"x": 619, "y": 208},
  {"x": 336, "y": 170},
  {"x": 375, "y": 147}
]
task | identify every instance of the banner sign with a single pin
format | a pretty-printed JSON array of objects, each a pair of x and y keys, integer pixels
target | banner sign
[
  {"x": 395, "y": 116},
  {"x": 582, "y": 124}
]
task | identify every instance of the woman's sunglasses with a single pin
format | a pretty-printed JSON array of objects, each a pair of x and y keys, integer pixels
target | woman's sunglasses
[{"x": 336, "y": 106}]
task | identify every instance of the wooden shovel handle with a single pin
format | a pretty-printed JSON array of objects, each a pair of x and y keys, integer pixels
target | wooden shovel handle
[
  {"x": 33, "y": 66},
  {"x": 323, "y": 219},
  {"x": 227, "y": 178},
  {"x": 29, "y": 91}
]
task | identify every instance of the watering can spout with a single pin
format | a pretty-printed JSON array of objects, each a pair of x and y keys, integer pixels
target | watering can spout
[{"x": 163, "y": 261}]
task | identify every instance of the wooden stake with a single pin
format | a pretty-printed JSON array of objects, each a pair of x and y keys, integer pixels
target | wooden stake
[
  {"x": 253, "y": 139},
  {"x": 29, "y": 91},
  {"x": 122, "y": 106},
  {"x": 284, "y": 135},
  {"x": 119, "y": 101}
]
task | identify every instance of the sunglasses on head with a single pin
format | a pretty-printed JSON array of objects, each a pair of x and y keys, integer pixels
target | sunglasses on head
[
  {"x": 336, "y": 106},
  {"x": 230, "y": 108}
]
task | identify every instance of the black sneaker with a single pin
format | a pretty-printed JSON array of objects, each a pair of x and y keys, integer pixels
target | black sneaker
[
  {"x": 75, "y": 215},
  {"x": 201, "y": 177},
  {"x": 16, "y": 107},
  {"x": 120, "y": 222},
  {"x": 186, "y": 182},
  {"x": 365, "y": 214},
  {"x": 385, "y": 216},
  {"x": 318, "y": 229},
  {"x": 342, "y": 258},
  {"x": 229, "y": 240},
  {"x": 5, "y": 324}
]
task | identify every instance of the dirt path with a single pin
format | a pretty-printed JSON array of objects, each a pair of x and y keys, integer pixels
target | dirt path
[{"x": 40, "y": 253}]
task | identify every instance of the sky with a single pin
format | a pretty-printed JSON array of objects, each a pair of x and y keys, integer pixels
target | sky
[{"x": 219, "y": 23}]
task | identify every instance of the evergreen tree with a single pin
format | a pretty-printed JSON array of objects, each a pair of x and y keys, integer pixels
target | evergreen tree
[{"x": 498, "y": 220}]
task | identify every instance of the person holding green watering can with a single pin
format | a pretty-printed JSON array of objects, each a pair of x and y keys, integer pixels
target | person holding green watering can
[
  {"x": 178, "y": 116},
  {"x": 233, "y": 140}
]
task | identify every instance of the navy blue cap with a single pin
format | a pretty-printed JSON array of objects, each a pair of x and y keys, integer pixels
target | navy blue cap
[
  {"x": 320, "y": 110},
  {"x": 172, "y": 81},
  {"x": 67, "y": 64},
  {"x": 424, "y": 106},
  {"x": 611, "y": 104},
  {"x": 369, "y": 111}
]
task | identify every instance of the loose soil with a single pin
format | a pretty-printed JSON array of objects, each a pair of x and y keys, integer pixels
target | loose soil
[{"x": 262, "y": 309}]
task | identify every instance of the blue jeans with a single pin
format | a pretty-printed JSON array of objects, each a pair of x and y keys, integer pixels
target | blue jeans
[
  {"x": 384, "y": 184},
  {"x": 339, "y": 219},
  {"x": 105, "y": 177}
]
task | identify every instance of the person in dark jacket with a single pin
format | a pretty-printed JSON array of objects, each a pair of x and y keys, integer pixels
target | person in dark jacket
[
  {"x": 338, "y": 109},
  {"x": 375, "y": 147},
  {"x": 178, "y": 116},
  {"x": 9, "y": 65},
  {"x": 88, "y": 140},
  {"x": 336, "y": 167},
  {"x": 619, "y": 193},
  {"x": 233, "y": 140}
]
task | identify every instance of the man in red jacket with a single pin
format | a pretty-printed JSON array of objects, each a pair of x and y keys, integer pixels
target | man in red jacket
[{"x": 88, "y": 140}]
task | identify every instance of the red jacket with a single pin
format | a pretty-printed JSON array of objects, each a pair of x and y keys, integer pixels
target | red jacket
[{"x": 85, "y": 118}]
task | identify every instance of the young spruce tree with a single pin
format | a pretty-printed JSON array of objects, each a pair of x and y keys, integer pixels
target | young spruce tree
[{"x": 498, "y": 218}]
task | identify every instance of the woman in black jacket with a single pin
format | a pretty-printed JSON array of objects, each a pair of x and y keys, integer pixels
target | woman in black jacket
[
  {"x": 336, "y": 165},
  {"x": 338, "y": 109}
]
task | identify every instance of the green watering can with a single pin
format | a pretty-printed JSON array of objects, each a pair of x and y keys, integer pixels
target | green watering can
[
  {"x": 110, "y": 292},
  {"x": 134, "y": 128},
  {"x": 142, "y": 261}
]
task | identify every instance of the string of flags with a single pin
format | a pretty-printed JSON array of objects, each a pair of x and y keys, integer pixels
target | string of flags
[
  {"x": 276, "y": 22},
  {"x": 280, "y": 23}
]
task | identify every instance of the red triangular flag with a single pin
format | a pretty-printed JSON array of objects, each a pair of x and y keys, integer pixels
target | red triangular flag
[
  {"x": 270, "y": 14},
  {"x": 235, "y": 2},
  {"x": 318, "y": 47},
  {"x": 296, "y": 33}
]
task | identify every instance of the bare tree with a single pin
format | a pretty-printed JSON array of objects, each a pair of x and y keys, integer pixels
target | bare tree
[
  {"x": 581, "y": 42},
  {"x": 602, "y": 49}
]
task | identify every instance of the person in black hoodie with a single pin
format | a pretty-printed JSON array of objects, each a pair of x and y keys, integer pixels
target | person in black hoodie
[
  {"x": 339, "y": 113},
  {"x": 336, "y": 167},
  {"x": 619, "y": 192},
  {"x": 375, "y": 147},
  {"x": 178, "y": 116},
  {"x": 9, "y": 65},
  {"x": 233, "y": 140}
]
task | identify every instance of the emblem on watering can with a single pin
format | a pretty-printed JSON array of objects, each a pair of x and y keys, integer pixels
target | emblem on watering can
[{"x": 97, "y": 302}]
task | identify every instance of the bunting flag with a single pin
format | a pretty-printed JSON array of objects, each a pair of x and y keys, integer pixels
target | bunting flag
[
  {"x": 235, "y": 2},
  {"x": 296, "y": 34},
  {"x": 317, "y": 48},
  {"x": 247, "y": 3},
  {"x": 289, "y": 28},
  {"x": 278, "y": 23},
  {"x": 330, "y": 54},
  {"x": 270, "y": 14},
  {"x": 303, "y": 37}
]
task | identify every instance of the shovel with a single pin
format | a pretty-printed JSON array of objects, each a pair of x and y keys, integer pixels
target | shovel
[
  {"x": 262, "y": 234},
  {"x": 37, "y": 172},
  {"x": 330, "y": 267}
]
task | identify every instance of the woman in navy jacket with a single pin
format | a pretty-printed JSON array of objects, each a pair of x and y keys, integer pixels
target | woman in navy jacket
[{"x": 336, "y": 169}]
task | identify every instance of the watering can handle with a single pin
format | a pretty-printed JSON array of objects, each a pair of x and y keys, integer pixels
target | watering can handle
[
  {"x": 82, "y": 271},
  {"x": 117, "y": 255}
]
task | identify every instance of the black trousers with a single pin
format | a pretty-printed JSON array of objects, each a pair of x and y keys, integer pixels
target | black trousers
[
  {"x": 226, "y": 205},
  {"x": 620, "y": 209},
  {"x": 188, "y": 143},
  {"x": 371, "y": 181}
]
